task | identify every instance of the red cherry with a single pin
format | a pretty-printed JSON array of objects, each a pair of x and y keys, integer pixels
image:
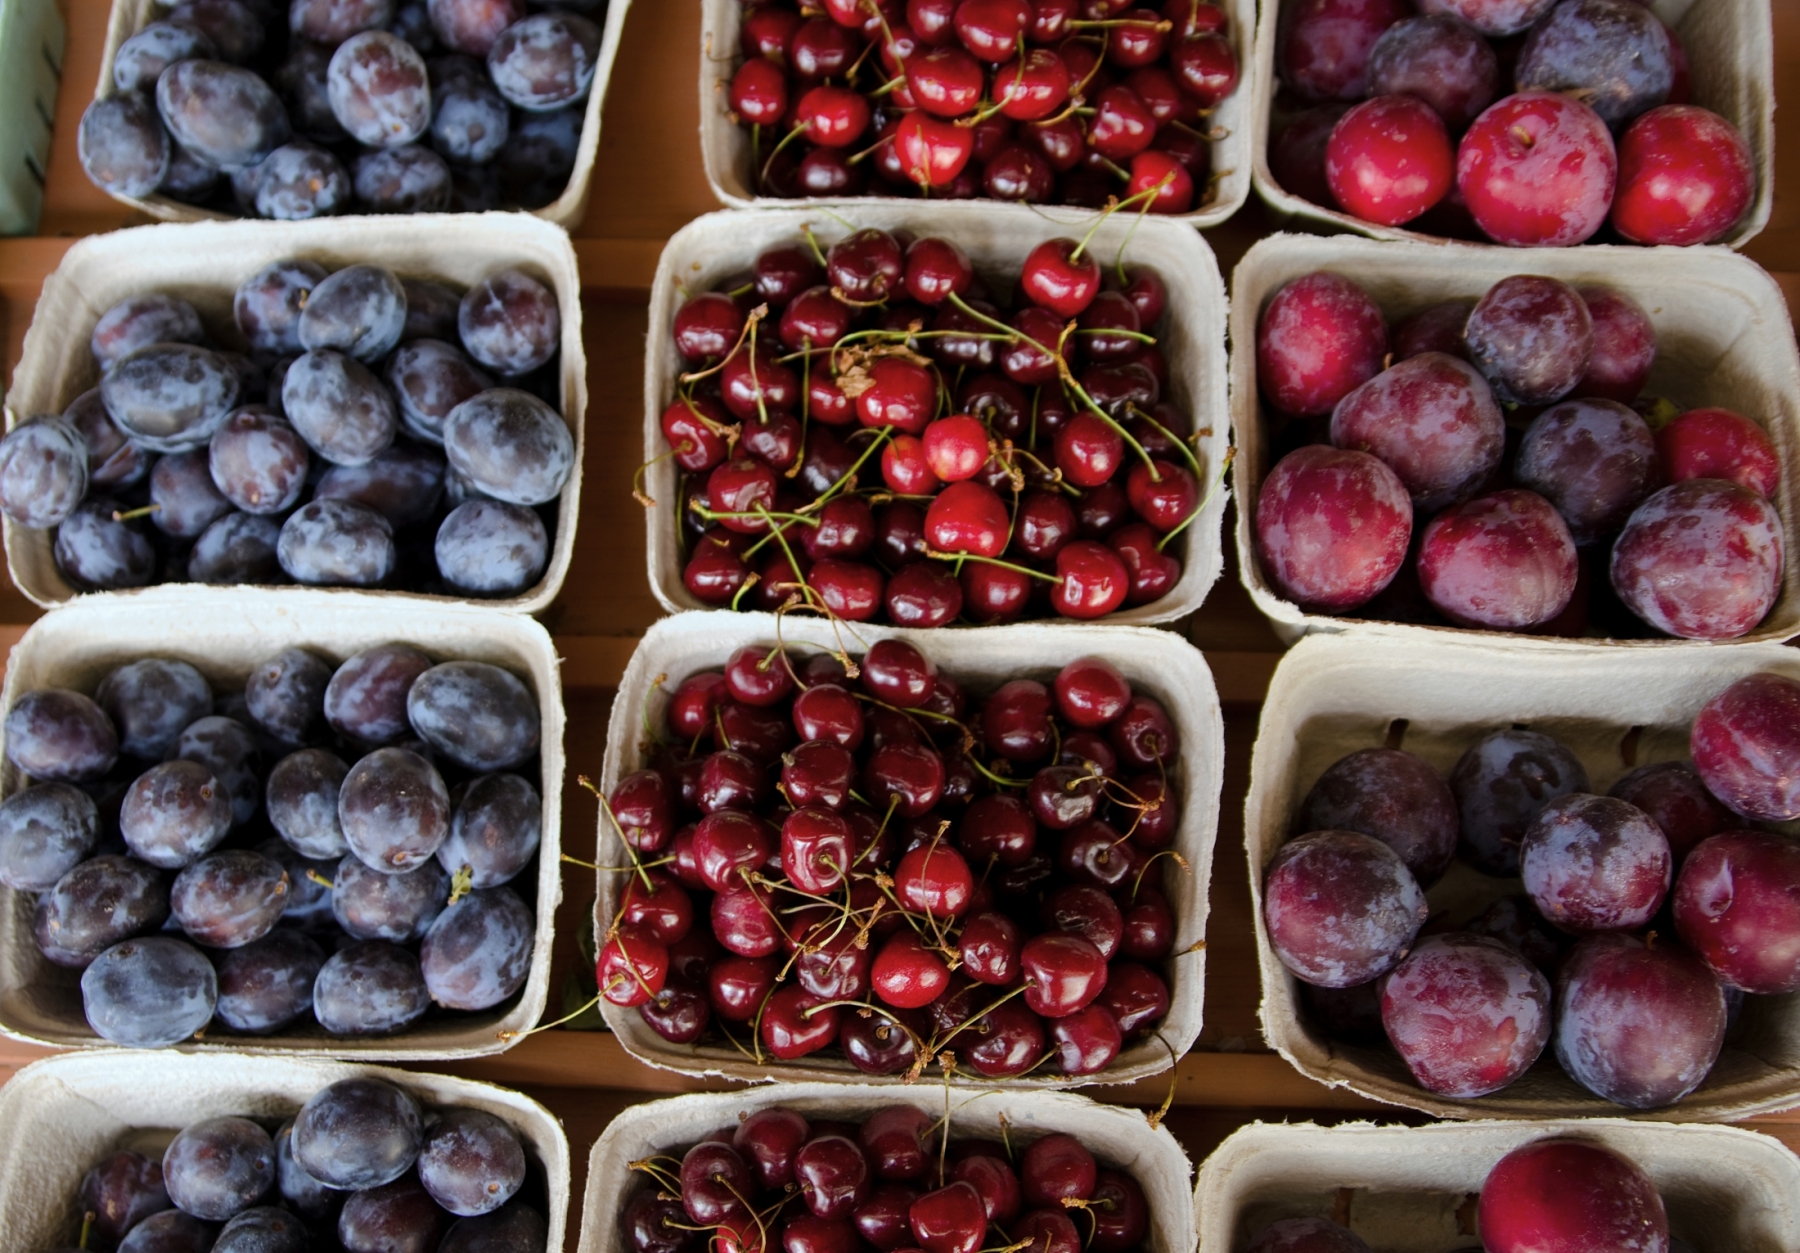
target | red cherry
[
  {"x": 949, "y": 1220},
  {"x": 1167, "y": 177},
  {"x": 744, "y": 921},
  {"x": 1206, "y": 67},
  {"x": 759, "y": 92},
  {"x": 968, "y": 518},
  {"x": 906, "y": 467},
  {"x": 867, "y": 266},
  {"x": 850, "y": 589},
  {"x": 737, "y": 488},
  {"x": 1094, "y": 580},
  {"x": 832, "y": 117},
  {"x": 736, "y": 987},
  {"x": 1168, "y": 500},
  {"x": 1389, "y": 160},
  {"x": 829, "y": 713},
  {"x": 936, "y": 269},
  {"x": 632, "y": 968},
  {"x": 822, "y": 49},
  {"x": 1090, "y": 692},
  {"x": 932, "y": 20},
  {"x": 1122, "y": 126},
  {"x": 1086, "y": 1042},
  {"x": 991, "y": 29},
  {"x": 1062, "y": 142},
  {"x": 935, "y": 881},
  {"x": 691, "y": 707},
  {"x": 754, "y": 382},
  {"x": 816, "y": 849},
  {"x": 662, "y": 912},
  {"x": 993, "y": 594},
  {"x": 1050, "y": 20},
  {"x": 945, "y": 82},
  {"x": 989, "y": 946},
  {"x": 1141, "y": 40},
  {"x": 932, "y": 151},
  {"x": 643, "y": 808},
  {"x": 815, "y": 319},
  {"x": 757, "y": 676},
  {"x": 832, "y": 1174},
  {"x": 1088, "y": 450},
  {"x": 794, "y": 1025},
  {"x": 726, "y": 841},
  {"x": 1056, "y": 1168},
  {"x": 1054, "y": 277},
  {"x": 1000, "y": 829},
  {"x": 956, "y": 447},
  {"x": 1135, "y": 995},
  {"x": 906, "y": 974},
  {"x": 767, "y": 31},
  {"x": 707, "y": 327},
  {"x": 900, "y": 394},
  {"x": 1032, "y": 87}
]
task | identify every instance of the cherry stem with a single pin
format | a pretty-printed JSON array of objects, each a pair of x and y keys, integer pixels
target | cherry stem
[
  {"x": 991, "y": 561},
  {"x": 762, "y": 178},
  {"x": 1168, "y": 1101},
  {"x": 756, "y": 315},
  {"x": 607, "y": 809},
  {"x": 1164, "y": 26},
  {"x": 1218, "y": 482},
  {"x": 638, "y": 493},
  {"x": 1187, "y": 451},
  {"x": 509, "y": 1036},
  {"x": 972, "y": 1019},
  {"x": 661, "y": 1175},
  {"x": 1113, "y": 206}
]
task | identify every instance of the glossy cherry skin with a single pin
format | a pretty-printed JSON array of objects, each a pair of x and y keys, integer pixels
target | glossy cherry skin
[
  {"x": 1136, "y": 996},
  {"x": 934, "y": 880},
  {"x": 663, "y": 912},
  {"x": 769, "y": 1138},
  {"x": 818, "y": 772},
  {"x": 829, "y": 713},
  {"x": 952, "y": 1219},
  {"x": 1144, "y": 735},
  {"x": 932, "y": 151},
  {"x": 898, "y": 673},
  {"x": 816, "y": 849},
  {"x": 996, "y": 1183},
  {"x": 727, "y": 842},
  {"x": 1018, "y": 721},
  {"x": 1086, "y": 1042},
  {"x": 906, "y": 974},
  {"x": 989, "y": 945},
  {"x": 632, "y": 968},
  {"x": 1091, "y": 692},
  {"x": 1094, "y": 580},
  {"x": 911, "y": 775},
  {"x": 744, "y": 920},
  {"x": 737, "y": 986},
  {"x": 714, "y": 1178},
  {"x": 1009, "y": 1040},
  {"x": 877, "y": 1046},
  {"x": 1063, "y": 973},
  {"x": 1056, "y": 1168},
  {"x": 968, "y": 518},
  {"x": 898, "y": 1141},
  {"x": 794, "y": 1024},
  {"x": 1000, "y": 827},
  {"x": 833, "y": 1176},
  {"x": 1153, "y": 572},
  {"x": 901, "y": 394},
  {"x": 1062, "y": 282}
]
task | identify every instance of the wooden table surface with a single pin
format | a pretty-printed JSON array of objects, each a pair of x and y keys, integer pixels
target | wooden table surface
[{"x": 649, "y": 183}]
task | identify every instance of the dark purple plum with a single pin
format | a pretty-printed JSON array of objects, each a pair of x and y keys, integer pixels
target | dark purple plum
[
  {"x": 143, "y": 57},
  {"x": 539, "y": 156},
  {"x": 226, "y": 116},
  {"x": 139, "y": 321},
  {"x": 469, "y": 122},
  {"x": 189, "y": 178},
  {"x": 1595, "y": 863},
  {"x": 1746, "y": 743},
  {"x": 308, "y": 906},
  {"x": 333, "y": 21},
  {"x": 370, "y": 989},
  {"x": 268, "y": 305},
  {"x": 1501, "y": 783},
  {"x": 1516, "y": 923},
  {"x": 471, "y": 1162},
  {"x": 403, "y": 483},
  {"x": 1595, "y": 460},
  {"x": 394, "y": 810},
  {"x": 430, "y": 310},
  {"x": 378, "y": 89},
  {"x": 258, "y": 462},
  {"x": 122, "y": 145},
  {"x": 511, "y": 446},
  {"x": 113, "y": 460},
  {"x": 1532, "y": 337},
  {"x": 510, "y": 323},
  {"x": 366, "y": 700},
  {"x": 235, "y": 28},
  {"x": 1624, "y": 346},
  {"x": 376, "y": 905},
  {"x": 306, "y": 1196},
  {"x": 495, "y": 831},
  {"x": 58, "y": 735},
  {"x": 491, "y": 548},
  {"x": 238, "y": 548},
  {"x": 1440, "y": 60},
  {"x": 151, "y": 701},
  {"x": 478, "y": 952},
  {"x": 333, "y": 542},
  {"x": 407, "y": 179},
  {"x": 149, "y": 993},
  {"x": 170, "y": 397},
  {"x": 228, "y": 749},
  {"x": 397, "y": 1217},
  {"x": 1503, "y": 562},
  {"x": 357, "y": 1134},
  {"x": 472, "y": 26},
  {"x": 338, "y": 406},
  {"x": 545, "y": 61},
  {"x": 264, "y": 1229},
  {"x": 229, "y": 898},
  {"x": 1435, "y": 328},
  {"x": 185, "y": 499},
  {"x": 43, "y": 472},
  {"x": 359, "y": 310},
  {"x": 1612, "y": 55},
  {"x": 173, "y": 813},
  {"x": 219, "y": 1167},
  {"x": 120, "y": 1191},
  {"x": 300, "y": 181},
  {"x": 476, "y": 714},
  {"x": 96, "y": 550},
  {"x": 49, "y": 829},
  {"x": 1672, "y": 795},
  {"x": 171, "y": 1231},
  {"x": 302, "y": 795},
  {"x": 268, "y": 983},
  {"x": 515, "y": 1228},
  {"x": 283, "y": 693},
  {"x": 1394, "y": 796},
  {"x": 97, "y": 904},
  {"x": 304, "y": 82}
]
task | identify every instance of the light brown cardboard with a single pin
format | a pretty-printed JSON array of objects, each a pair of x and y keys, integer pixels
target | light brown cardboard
[
  {"x": 223, "y": 634},
  {"x": 1723, "y": 338},
  {"x": 1333, "y": 694},
  {"x": 997, "y": 238},
  {"x": 203, "y": 263},
  {"x": 1157, "y": 662}
]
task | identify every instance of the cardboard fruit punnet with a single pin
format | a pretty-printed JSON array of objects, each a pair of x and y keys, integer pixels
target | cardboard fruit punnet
[
  {"x": 1409, "y": 1189},
  {"x": 1723, "y": 338},
  {"x": 1614, "y": 709},
  {"x": 224, "y": 634},
  {"x": 60, "y": 1116},
  {"x": 203, "y": 263},
  {"x": 1730, "y": 48},
  {"x": 566, "y": 211},
  {"x": 1159, "y": 663},
  {"x": 1119, "y": 1137},
  {"x": 721, "y": 246},
  {"x": 725, "y": 146}
]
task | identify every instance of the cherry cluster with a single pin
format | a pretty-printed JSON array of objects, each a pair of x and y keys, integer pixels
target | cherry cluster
[
  {"x": 894, "y": 1181},
  {"x": 1027, "y": 460},
  {"x": 1528, "y": 1205},
  {"x": 1042, "y": 101},
  {"x": 1497, "y": 464},
  {"x": 1585, "y": 956},
  {"x": 1434, "y": 142},
  {"x": 983, "y": 867}
]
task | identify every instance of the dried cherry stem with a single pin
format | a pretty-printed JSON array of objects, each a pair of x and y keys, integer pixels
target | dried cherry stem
[
  {"x": 506, "y": 1037},
  {"x": 1150, "y": 861},
  {"x": 660, "y": 1174},
  {"x": 1168, "y": 1102},
  {"x": 756, "y": 315},
  {"x": 606, "y": 808},
  {"x": 1217, "y": 483},
  {"x": 750, "y": 581}
]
